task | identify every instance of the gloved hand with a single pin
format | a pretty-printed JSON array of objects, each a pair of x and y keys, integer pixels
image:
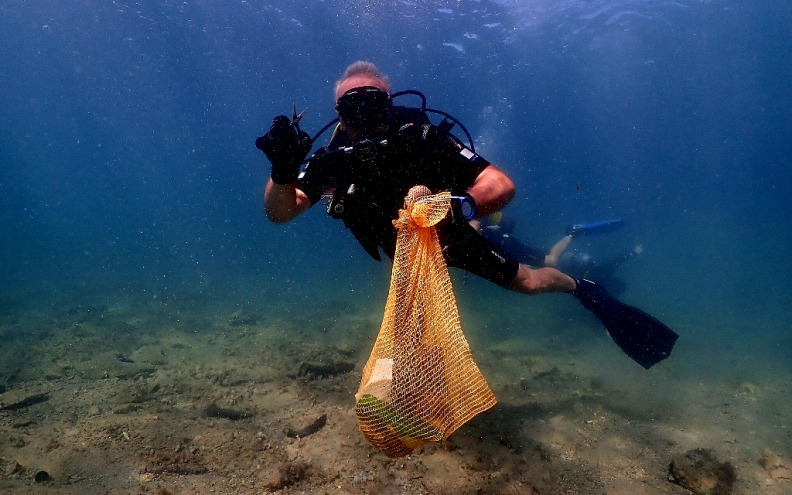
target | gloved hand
[{"x": 286, "y": 146}]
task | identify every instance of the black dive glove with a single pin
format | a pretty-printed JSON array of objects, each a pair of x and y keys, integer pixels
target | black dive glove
[{"x": 286, "y": 146}]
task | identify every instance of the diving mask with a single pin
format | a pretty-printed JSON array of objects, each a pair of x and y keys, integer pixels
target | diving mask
[{"x": 364, "y": 107}]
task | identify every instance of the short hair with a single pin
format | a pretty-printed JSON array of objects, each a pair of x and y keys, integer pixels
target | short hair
[{"x": 362, "y": 67}]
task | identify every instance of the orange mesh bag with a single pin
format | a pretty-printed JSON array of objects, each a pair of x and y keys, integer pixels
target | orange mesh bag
[{"x": 420, "y": 383}]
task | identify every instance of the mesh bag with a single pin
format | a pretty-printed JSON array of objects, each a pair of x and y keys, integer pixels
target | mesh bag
[{"x": 420, "y": 383}]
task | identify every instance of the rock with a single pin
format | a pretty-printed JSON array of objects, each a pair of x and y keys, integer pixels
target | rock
[
  {"x": 111, "y": 364},
  {"x": 310, "y": 429},
  {"x": 324, "y": 370},
  {"x": 700, "y": 472},
  {"x": 239, "y": 318},
  {"x": 151, "y": 354},
  {"x": 126, "y": 408},
  {"x": 286, "y": 474},
  {"x": 17, "y": 442},
  {"x": 214, "y": 411},
  {"x": 55, "y": 373},
  {"x": 22, "y": 423},
  {"x": 28, "y": 401},
  {"x": 10, "y": 468},
  {"x": 775, "y": 466}
]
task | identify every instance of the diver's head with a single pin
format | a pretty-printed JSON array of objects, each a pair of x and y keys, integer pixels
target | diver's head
[{"x": 362, "y": 97}]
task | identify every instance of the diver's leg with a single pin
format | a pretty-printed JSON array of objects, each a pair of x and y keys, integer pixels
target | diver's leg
[
  {"x": 521, "y": 252},
  {"x": 551, "y": 259},
  {"x": 465, "y": 248}
]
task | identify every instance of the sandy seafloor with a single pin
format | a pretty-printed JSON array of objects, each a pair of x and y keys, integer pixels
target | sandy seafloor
[{"x": 117, "y": 390}]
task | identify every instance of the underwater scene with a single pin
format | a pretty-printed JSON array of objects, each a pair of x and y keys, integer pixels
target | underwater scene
[{"x": 158, "y": 334}]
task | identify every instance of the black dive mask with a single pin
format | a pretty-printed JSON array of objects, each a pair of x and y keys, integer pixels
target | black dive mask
[{"x": 364, "y": 107}]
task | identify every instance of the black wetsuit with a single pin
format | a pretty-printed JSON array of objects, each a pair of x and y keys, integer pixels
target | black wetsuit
[
  {"x": 503, "y": 239},
  {"x": 369, "y": 181}
]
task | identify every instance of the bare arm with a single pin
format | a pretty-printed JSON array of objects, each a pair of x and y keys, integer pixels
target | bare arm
[
  {"x": 492, "y": 190},
  {"x": 284, "y": 202}
]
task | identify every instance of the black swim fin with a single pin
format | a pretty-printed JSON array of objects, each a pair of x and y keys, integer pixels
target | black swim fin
[{"x": 642, "y": 336}]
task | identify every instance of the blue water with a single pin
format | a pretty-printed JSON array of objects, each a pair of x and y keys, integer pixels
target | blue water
[{"x": 127, "y": 165}]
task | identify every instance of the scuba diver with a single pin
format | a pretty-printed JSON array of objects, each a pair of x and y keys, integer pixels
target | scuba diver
[{"x": 379, "y": 151}]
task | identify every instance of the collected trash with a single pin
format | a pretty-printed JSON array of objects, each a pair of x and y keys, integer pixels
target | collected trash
[{"x": 420, "y": 383}]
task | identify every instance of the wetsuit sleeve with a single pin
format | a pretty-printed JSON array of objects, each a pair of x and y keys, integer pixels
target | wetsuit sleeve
[{"x": 457, "y": 163}]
